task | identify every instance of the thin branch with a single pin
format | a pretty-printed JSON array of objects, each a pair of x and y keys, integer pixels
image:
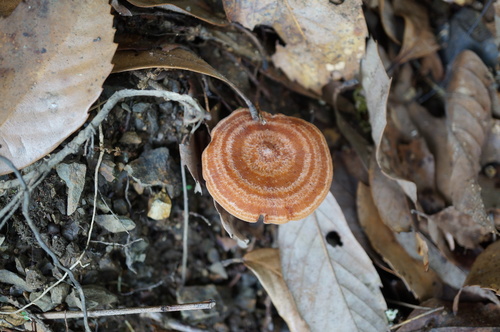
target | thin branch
[
  {"x": 128, "y": 311},
  {"x": 416, "y": 317},
  {"x": 186, "y": 225}
]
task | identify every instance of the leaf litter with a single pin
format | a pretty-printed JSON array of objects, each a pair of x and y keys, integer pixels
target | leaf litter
[{"x": 426, "y": 174}]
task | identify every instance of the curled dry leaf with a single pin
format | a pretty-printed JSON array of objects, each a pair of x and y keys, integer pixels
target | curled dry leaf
[
  {"x": 461, "y": 226},
  {"x": 196, "y": 8},
  {"x": 321, "y": 260},
  {"x": 423, "y": 284},
  {"x": 171, "y": 57},
  {"x": 265, "y": 263},
  {"x": 376, "y": 86},
  {"x": 418, "y": 39},
  {"x": 485, "y": 271},
  {"x": 190, "y": 150},
  {"x": 230, "y": 224},
  {"x": 468, "y": 111},
  {"x": 324, "y": 41},
  {"x": 54, "y": 56}
]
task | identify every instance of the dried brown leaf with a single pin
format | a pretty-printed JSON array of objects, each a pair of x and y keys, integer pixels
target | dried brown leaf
[
  {"x": 54, "y": 58},
  {"x": 388, "y": 20},
  {"x": 376, "y": 86},
  {"x": 445, "y": 269},
  {"x": 172, "y": 57},
  {"x": 468, "y": 111},
  {"x": 418, "y": 39},
  {"x": 324, "y": 41},
  {"x": 265, "y": 263},
  {"x": 461, "y": 226},
  {"x": 8, "y": 6},
  {"x": 485, "y": 271},
  {"x": 230, "y": 224},
  {"x": 333, "y": 281},
  {"x": 190, "y": 151},
  {"x": 423, "y": 284},
  {"x": 491, "y": 148},
  {"x": 196, "y": 8},
  {"x": 390, "y": 200}
]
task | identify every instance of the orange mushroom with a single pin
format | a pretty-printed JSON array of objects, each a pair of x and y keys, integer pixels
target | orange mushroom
[{"x": 279, "y": 169}]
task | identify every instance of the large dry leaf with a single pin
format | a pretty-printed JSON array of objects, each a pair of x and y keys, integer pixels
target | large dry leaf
[
  {"x": 324, "y": 41},
  {"x": 423, "y": 284},
  {"x": 195, "y": 8},
  {"x": 485, "y": 271},
  {"x": 468, "y": 111},
  {"x": 376, "y": 86},
  {"x": 54, "y": 57},
  {"x": 331, "y": 278},
  {"x": 265, "y": 263}
]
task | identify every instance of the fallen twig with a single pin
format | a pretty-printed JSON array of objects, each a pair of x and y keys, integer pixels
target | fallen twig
[{"x": 128, "y": 311}]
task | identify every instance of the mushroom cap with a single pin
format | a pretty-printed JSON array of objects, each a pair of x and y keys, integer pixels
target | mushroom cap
[{"x": 280, "y": 169}]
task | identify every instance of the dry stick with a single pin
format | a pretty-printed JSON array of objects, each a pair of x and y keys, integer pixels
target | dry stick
[
  {"x": 41, "y": 242},
  {"x": 128, "y": 311},
  {"x": 186, "y": 225}
]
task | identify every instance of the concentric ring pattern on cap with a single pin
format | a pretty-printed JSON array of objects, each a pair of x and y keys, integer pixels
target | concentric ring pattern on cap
[{"x": 280, "y": 170}]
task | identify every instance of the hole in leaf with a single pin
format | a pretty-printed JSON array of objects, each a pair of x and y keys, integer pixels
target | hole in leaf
[{"x": 333, "y": 239}]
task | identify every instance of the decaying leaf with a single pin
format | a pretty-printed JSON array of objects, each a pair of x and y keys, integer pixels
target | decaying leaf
[
  {"x": 388, "y": 20},
  {"x": 265, "y": 263},
  {"x": 328, "y": 273},
  {"x": 8, "y": 6},
  {"x": 423, "y": 284},
  {"x": 196, "y": 8},
  {"x": 230, "y": 222},
  {"x": 468, "y": 110},
  {"x": 376, "y": 86},
  {"x": 461, "y": 226},
  {"x": 418, "y": 39},
  {"x": 324, "y": 41},
  {"x": 485, "y": 271},
  {"x": 54, "y": 57},
  {"x": 190, "y": 150},
  {"x": 10, "y": 320},
  {"x": 447, "y": 271},
  {"x": 390, "y": 200}
]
